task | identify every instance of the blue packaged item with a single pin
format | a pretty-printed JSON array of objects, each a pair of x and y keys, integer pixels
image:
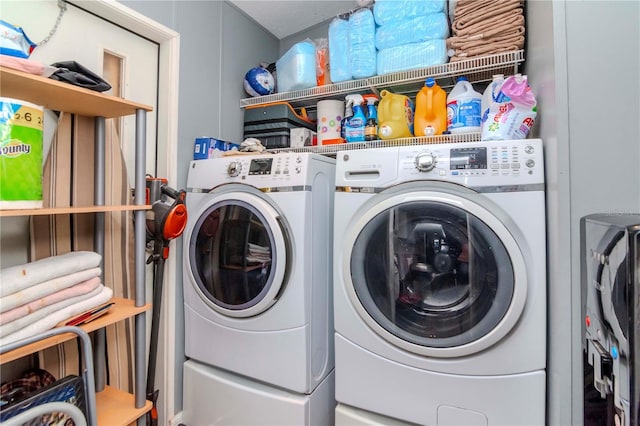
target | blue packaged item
[
  {"x": 339, "y": 56},
  {"x": 385, "y": 11},
  {"x": 412, "y": 56},
  {"x": 362, "y": 32},
  {"x": 414, "y": 30},
  {"x": 206, "y": 147},
  {"x": 14, "y": 41},
  {"x": 296, "y": 69}
]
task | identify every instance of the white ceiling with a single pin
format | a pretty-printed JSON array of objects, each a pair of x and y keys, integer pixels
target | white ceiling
[{"x": 286, "y": 17}]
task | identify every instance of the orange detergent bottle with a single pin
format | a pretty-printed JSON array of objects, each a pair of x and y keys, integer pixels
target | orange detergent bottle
[{"x": 431, "y": 110}]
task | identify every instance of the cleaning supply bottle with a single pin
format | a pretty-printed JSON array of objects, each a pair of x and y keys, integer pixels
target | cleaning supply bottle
[
  {"x": 395, "y": 116},
  {"x": 491, "y": 94},
  {"x": 431, "y": 110},
  {"x": 348, "y": 113},
  {"x": 354, "y": 127},
  {"x": 463, "y": 108},
  {"x": 371, "y": 126}
]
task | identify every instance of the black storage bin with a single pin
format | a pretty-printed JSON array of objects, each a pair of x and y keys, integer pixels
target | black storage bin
[{"x": 272, "y": 124}]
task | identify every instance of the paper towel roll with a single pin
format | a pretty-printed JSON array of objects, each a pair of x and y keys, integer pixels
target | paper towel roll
[{"x": 329, "y": 115}]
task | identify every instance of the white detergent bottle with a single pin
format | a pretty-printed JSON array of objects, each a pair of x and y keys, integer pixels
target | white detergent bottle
[
  {"x": 490, "y": 94},
  {"x": 463, "y": 108}
]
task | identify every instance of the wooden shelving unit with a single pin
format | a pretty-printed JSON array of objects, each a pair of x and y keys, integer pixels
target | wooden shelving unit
[
  {"x": 123, "y": 309},
  {"x": 70, "y": 210},
  {"x": 113, "y": 407}
]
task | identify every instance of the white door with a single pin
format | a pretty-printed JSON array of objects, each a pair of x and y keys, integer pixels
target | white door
[{"x": 127, "y": 61}]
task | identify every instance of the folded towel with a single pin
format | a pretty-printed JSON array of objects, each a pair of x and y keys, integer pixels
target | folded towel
[
  {"x": 45, "y": 288},
  {"x": 28, "y": 308},
  {"x": 490, "y": 49},
  {"x": 16, "y": 278},
  {"x": 50, "y": 321},
  {"x": 475, "y": 9},
  {"x": 516, "y": 36},
  {"x": 13, "y": 326},
  {"x": 491, "y": 25}
]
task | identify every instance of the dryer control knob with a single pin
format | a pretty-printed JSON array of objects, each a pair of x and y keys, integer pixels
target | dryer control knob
[
  {"x": 234, "y": 168},
  {"x": 425, "y": 161}
]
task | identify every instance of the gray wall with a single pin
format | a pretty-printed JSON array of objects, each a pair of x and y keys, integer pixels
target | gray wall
[
  {"x": 218, "y": 44},
  {"x": 585, "y": 76}
]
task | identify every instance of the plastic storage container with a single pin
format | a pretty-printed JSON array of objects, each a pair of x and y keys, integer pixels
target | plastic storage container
[
  {"x": 395, "y": 116},
  {"x": 431, "y": 110},
  {"x": 463, "y": 108},
  {"x": 296, "y": 69}
]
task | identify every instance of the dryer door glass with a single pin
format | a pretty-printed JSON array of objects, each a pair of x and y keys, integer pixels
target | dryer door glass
[
  {"x": 432, "y": 274},
  {"x": 232, "y": 255}
]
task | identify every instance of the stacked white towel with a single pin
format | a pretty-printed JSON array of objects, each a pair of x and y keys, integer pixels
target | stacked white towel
[
  {"x": 410, "y": 34},
  {"x": 36, "y": 296}
]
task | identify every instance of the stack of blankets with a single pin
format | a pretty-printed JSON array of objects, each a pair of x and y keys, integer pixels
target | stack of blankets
[
  {"x": 485, "y": 27},
  {"x": 38, "y": 296},
  {"x": 410, "y": 34}
]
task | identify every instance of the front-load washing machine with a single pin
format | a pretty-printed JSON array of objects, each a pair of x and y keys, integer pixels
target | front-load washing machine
[
  {"x": 257, "y": 267},
  {"x": 440, "y": 282}
]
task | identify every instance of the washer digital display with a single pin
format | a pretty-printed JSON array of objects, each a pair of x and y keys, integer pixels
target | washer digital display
[
  {"x": 260, "y": 166},
  {"x": 468, "y": 158}
]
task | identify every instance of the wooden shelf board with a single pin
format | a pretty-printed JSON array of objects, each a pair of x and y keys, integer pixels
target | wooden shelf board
[
  {"x": 123, "y": 308},
  {"x": 59, "y": 96},
  {"x": 71, "y": 210},
  {"x": 116, "y": 407}
]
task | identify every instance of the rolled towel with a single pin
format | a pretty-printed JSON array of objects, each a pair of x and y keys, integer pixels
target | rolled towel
[
  {"x": 16, "y": 278},
  {"x": 28, "y": 308},
  {"x": 13, "y": 326},
  {"x": 49, "y": 322},
  {"x": 46, "y": 288}
]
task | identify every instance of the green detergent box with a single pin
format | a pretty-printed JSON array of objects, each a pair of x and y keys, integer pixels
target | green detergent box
[{"x": 21, "y": 125}]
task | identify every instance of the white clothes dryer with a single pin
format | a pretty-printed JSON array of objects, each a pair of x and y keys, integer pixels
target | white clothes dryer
[
  {"x": 440, "y": 282},
  {"x": 257, "y": 267}
]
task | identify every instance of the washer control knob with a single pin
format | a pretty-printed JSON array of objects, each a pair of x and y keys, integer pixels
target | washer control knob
[
  {"x": 528, "y": 149},
  {"x": 530, "y": 163},
  {"x": 425, "y": 161},
  {"x": 234, "y": 168},
  {"x": 298, "y": 170}
]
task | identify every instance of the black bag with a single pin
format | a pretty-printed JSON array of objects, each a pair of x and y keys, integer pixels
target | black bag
[{"x": 76, "y": 74}]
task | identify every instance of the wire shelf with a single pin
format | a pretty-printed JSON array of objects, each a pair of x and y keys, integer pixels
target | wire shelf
[
  {"x": 477, "y": 70},
  {"x": 423, "y": 140}
]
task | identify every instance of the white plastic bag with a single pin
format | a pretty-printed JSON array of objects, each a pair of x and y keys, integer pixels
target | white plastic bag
[{"x": 514, "y": 116}]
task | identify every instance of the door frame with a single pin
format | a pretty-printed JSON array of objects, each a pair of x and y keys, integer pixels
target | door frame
[{"x": 167, "y": 152}]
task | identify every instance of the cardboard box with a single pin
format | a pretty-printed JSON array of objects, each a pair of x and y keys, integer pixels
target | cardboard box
[
  {"x": 301, "y": 137},
  {"x": 206, "y": 147}
]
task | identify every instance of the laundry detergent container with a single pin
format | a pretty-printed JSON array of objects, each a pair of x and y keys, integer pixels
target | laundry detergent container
[{"x": 296, "y": 69}]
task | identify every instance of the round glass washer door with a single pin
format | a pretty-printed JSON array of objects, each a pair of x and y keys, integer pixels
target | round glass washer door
[
  {"x": 435, "y": 274},
  {"x": 238, "y": 255}
]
